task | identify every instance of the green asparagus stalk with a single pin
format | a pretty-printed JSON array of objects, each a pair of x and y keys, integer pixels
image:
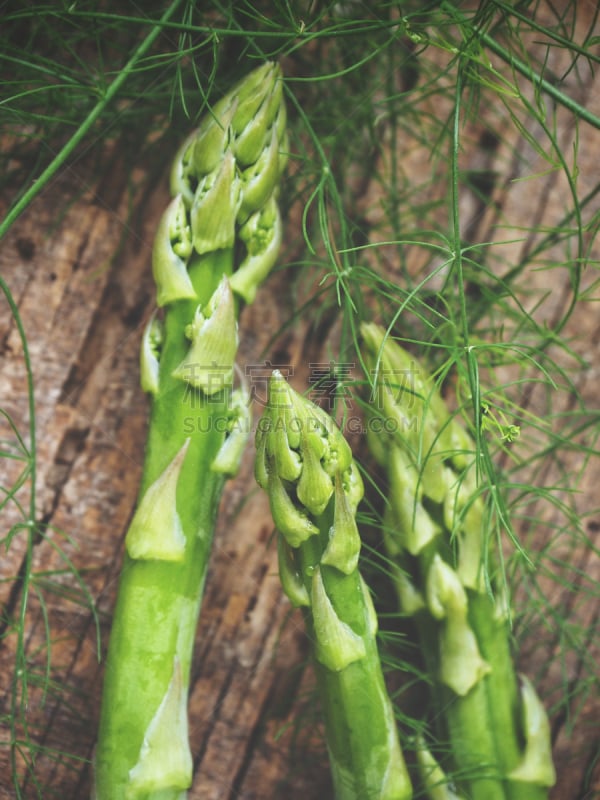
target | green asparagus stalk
[
  {"x": 495, "y": 725},
  {"x": 314, "y": 487},
  {"x": 224, "y": 185}
]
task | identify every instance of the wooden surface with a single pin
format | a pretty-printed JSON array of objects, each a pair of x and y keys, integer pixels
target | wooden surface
[{"x": 78, "y": 266}]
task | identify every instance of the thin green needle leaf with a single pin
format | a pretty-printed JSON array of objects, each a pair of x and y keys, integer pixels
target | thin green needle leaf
[{"x": 66, "y": 151}]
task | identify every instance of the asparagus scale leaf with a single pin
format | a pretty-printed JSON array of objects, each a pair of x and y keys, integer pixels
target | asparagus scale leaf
[
  {"x": 222, "y": 222},
  {"x": 494, "y": 723},
  {"x": 314, "y": 487}
]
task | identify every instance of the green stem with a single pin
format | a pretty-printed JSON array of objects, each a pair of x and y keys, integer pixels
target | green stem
[
  {"x": 502, "y": 695},
  {"x": 520, "y": 66},
  {"x": 223, "y": 181},
  {"x": 18, "y": 694},
  {"x": 159, "y": 601},
  {"x": 435, "y": 529},
  {"x": 474, "y": 766},
  {"x": 547, "y": 87},
  {"x": 306, "y": 466},
  {"x": 482, "y": 725},
  {"x": 366, "y": 762},
  {"x": 57, "y": 162}
]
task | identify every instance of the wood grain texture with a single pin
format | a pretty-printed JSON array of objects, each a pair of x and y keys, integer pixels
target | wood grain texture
[{"x": 78, "y": 266}]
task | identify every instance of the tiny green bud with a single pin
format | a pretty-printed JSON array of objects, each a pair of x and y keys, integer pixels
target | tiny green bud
[
  {"x": 315, "y": 486},
  {"x": 323, "y": 450},
  {"x": 260, "y": 179},
  {"x": 165, "y": 760},
  {"x": 182, "y": 180},
  {"x": 290, "y": 520},
  {"x": 461, "y": 664},
  {"x": 410, "y": 598},
  {"x": 215, "y": 207},
  {"x": 405, "y": 390},
  {"x": 415, "y": 527},
  {"x": 343, "y": 547},
  {"x": 251, "y": 92},
  {"x": 287, "y": 461},
  {"x": 338, "y": 454},
  {"x": 155, "y": 531},
  {"x": 209, "y": 362},
  {"x": 337, "y": 645},
  {"x": 536, "y": 765},
  {"x": 228, "y": 459},
  {"x": 212, "y": 139},
  {"x": 171, "y": 249},
  {"x": 150, "y": 355},
  {"x": 435, "y": 478},
  {"x": 444, "y": 592},
  {"x": 279, "y": 430},
  {"x": 502, "y": 613},
  {"x": 250, "y": 142},
  {"x": 290, "y": 577},
  {"x": 261, "y": 235},
  {"x": 353, "y": 486}
]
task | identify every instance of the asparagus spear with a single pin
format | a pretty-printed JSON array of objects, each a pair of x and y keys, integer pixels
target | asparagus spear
[
  {"x": 314, "y": 487},
  {"x": 224, "y": 181},
  {"x": 435, "y": 531}
]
